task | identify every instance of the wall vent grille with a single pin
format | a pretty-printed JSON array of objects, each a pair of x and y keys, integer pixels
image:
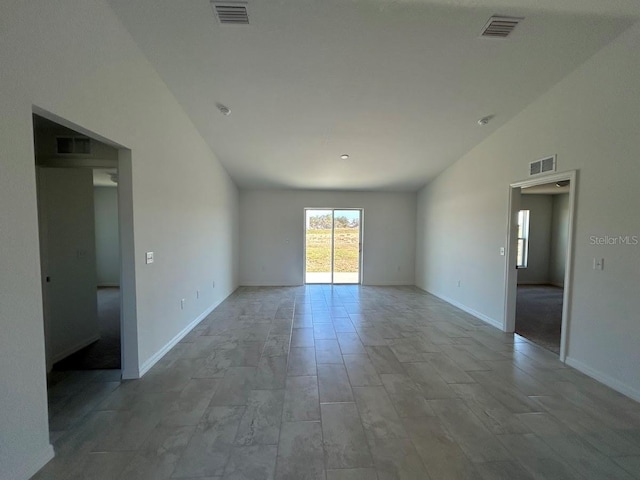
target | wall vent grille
[
  {"x": 230, "y": 13},
  {"x": 500, "y": 27},
  {"x": 73, "y": 145},
  {"x": 544, "y": 165}
]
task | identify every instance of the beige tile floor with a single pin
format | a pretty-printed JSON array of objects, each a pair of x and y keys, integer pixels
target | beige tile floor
[{"x": 344, "y": 382}]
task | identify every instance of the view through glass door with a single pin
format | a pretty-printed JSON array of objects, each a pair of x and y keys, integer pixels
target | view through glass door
[{"x": 333, "y": 245}]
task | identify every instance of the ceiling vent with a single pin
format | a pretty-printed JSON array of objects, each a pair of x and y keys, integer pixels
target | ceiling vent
[
  {"x": 544, "y": 165},
  {"x": 500, "y": 27},
  {"x": 231, "y": 13}
]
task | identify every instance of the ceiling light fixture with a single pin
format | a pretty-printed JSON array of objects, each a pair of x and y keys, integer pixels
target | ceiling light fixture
[
  {"x": 485, "y": 120},
  {"x": 226, "y": 111},
  {"x": 344, "y": 156}
]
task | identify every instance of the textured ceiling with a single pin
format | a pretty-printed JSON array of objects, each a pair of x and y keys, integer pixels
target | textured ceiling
[{"x": 399, "y": 86}]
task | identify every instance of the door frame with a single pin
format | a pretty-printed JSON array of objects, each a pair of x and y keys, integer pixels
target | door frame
[
  {"x": 128, "y": 312},
  {"x": 360, "y": 240},
  {"x": 511, "y": 273}
]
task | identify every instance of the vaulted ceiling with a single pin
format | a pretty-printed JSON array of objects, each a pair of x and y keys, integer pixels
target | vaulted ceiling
[{"x": 397, "y": 85}]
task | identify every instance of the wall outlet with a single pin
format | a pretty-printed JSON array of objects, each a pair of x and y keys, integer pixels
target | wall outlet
[
  {"x": 149, "y": 257},
  {"x": 598, "y": 263},
  {"x": 182, "y": 302}
]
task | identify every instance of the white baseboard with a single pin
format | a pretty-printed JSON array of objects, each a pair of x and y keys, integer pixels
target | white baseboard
[
  {"x": 270, "y": 284},
  {"x": 29, "y": 469},
  {"x": 146, "y": 366},
  {"x": 405, "y": 283},
  {"x": 481, "y": 316},
  {"x": 604, "y": 378},
  {"x": 71, "y": 350}
]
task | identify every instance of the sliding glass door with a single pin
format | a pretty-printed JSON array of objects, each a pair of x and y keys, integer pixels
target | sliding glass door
[{"x": 333, "y": 240}]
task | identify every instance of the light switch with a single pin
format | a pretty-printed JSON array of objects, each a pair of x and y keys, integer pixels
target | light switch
[
  {"x": 149, "y": 257},
  {"x": 502, "y": 251},
  {"x": 598, "y": 263}
]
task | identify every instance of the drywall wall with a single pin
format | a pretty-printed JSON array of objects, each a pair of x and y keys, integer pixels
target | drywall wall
[
  {"x": 76, "y": 60},
  {"x": 272, "y": 234},
  {"x": 590, "y": 120},
  {"x": 559, "y": 239},
  {"x": 540, "y": 211},
  {"x": 107, "y": 236},
  {"x": 68, "y": 260}
]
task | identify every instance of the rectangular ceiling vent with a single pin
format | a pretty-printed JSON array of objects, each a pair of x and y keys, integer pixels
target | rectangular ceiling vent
[
  {"x": 544, "y": 165},
  {"x": 231, "y": 13},
  {"x": 500, "y": 27}
]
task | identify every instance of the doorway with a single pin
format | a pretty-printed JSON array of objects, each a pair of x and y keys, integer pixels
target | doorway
[
  {"x": 333, "y": 245},
  {"x": 86, "y": 249},
  {"x": 539, "y": 261}
]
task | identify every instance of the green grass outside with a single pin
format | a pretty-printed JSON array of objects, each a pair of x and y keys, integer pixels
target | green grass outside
[{"x": 346, "y": 246}]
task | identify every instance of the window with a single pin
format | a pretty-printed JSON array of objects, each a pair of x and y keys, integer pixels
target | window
[{"x": 523, "y": 239}]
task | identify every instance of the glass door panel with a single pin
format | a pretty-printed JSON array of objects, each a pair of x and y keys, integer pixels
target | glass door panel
[
  {"x": 346, "y": 246},
  {"x": 318, "y": 246}
]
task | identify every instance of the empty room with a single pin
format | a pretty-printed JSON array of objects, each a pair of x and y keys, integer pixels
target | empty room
[{"x": 293, "y": 239}]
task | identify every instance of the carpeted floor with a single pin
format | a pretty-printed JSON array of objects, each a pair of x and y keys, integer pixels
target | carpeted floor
[
  {"x": 539, "y": 315},
  {"x": 105, "y": 353}
]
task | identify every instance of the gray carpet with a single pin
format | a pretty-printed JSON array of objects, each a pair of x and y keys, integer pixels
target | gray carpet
[
  {"x": 539, "y": 315},
  {"x": 105, "y": 353}
]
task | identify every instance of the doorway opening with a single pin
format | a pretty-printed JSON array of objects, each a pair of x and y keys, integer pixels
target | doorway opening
[
  {"x": 539, "y": 262},
  {"x": 79, "y": 248},
  {"x": 333, "y": 245},
  {"x": 85, "y": 215}
]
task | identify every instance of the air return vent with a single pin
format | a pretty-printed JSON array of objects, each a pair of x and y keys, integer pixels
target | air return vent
[
  {"x": 544, "y": 165},
  {"x": 73, "y": 145},
  {"x": 500, "y": 27},
  {"x": 231, "y": 13}
]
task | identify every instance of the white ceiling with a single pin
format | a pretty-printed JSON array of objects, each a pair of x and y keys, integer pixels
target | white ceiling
[{"x": 398, "y": 85}]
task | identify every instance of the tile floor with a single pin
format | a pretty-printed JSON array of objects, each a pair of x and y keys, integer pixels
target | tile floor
[{"x": 343, "y": 383}]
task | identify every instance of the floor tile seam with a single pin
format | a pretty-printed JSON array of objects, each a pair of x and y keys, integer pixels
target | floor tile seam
[{"x": 363, "y": 430}]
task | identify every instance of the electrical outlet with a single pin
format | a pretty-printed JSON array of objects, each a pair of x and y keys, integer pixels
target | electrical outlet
[
  {"x": 182, "y": 302},
  {"x": 598, "y": 263},
  {"x": 149, "y": 257}
]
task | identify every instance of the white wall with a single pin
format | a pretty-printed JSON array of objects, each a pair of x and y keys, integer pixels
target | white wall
[
  {"x": 559, "y": 239},
  {"x": 107, "y": 240},
  {"x": 590, "y": 119},
  {"x": 75, "y": 59},
  {"x": 272, "y": 234},
  {"x": 540, "y": 213}
]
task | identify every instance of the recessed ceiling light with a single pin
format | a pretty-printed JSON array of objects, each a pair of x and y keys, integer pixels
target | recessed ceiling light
[
  {"x": 223, "y": 109},
  {"x": 344, "y": 156}
]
